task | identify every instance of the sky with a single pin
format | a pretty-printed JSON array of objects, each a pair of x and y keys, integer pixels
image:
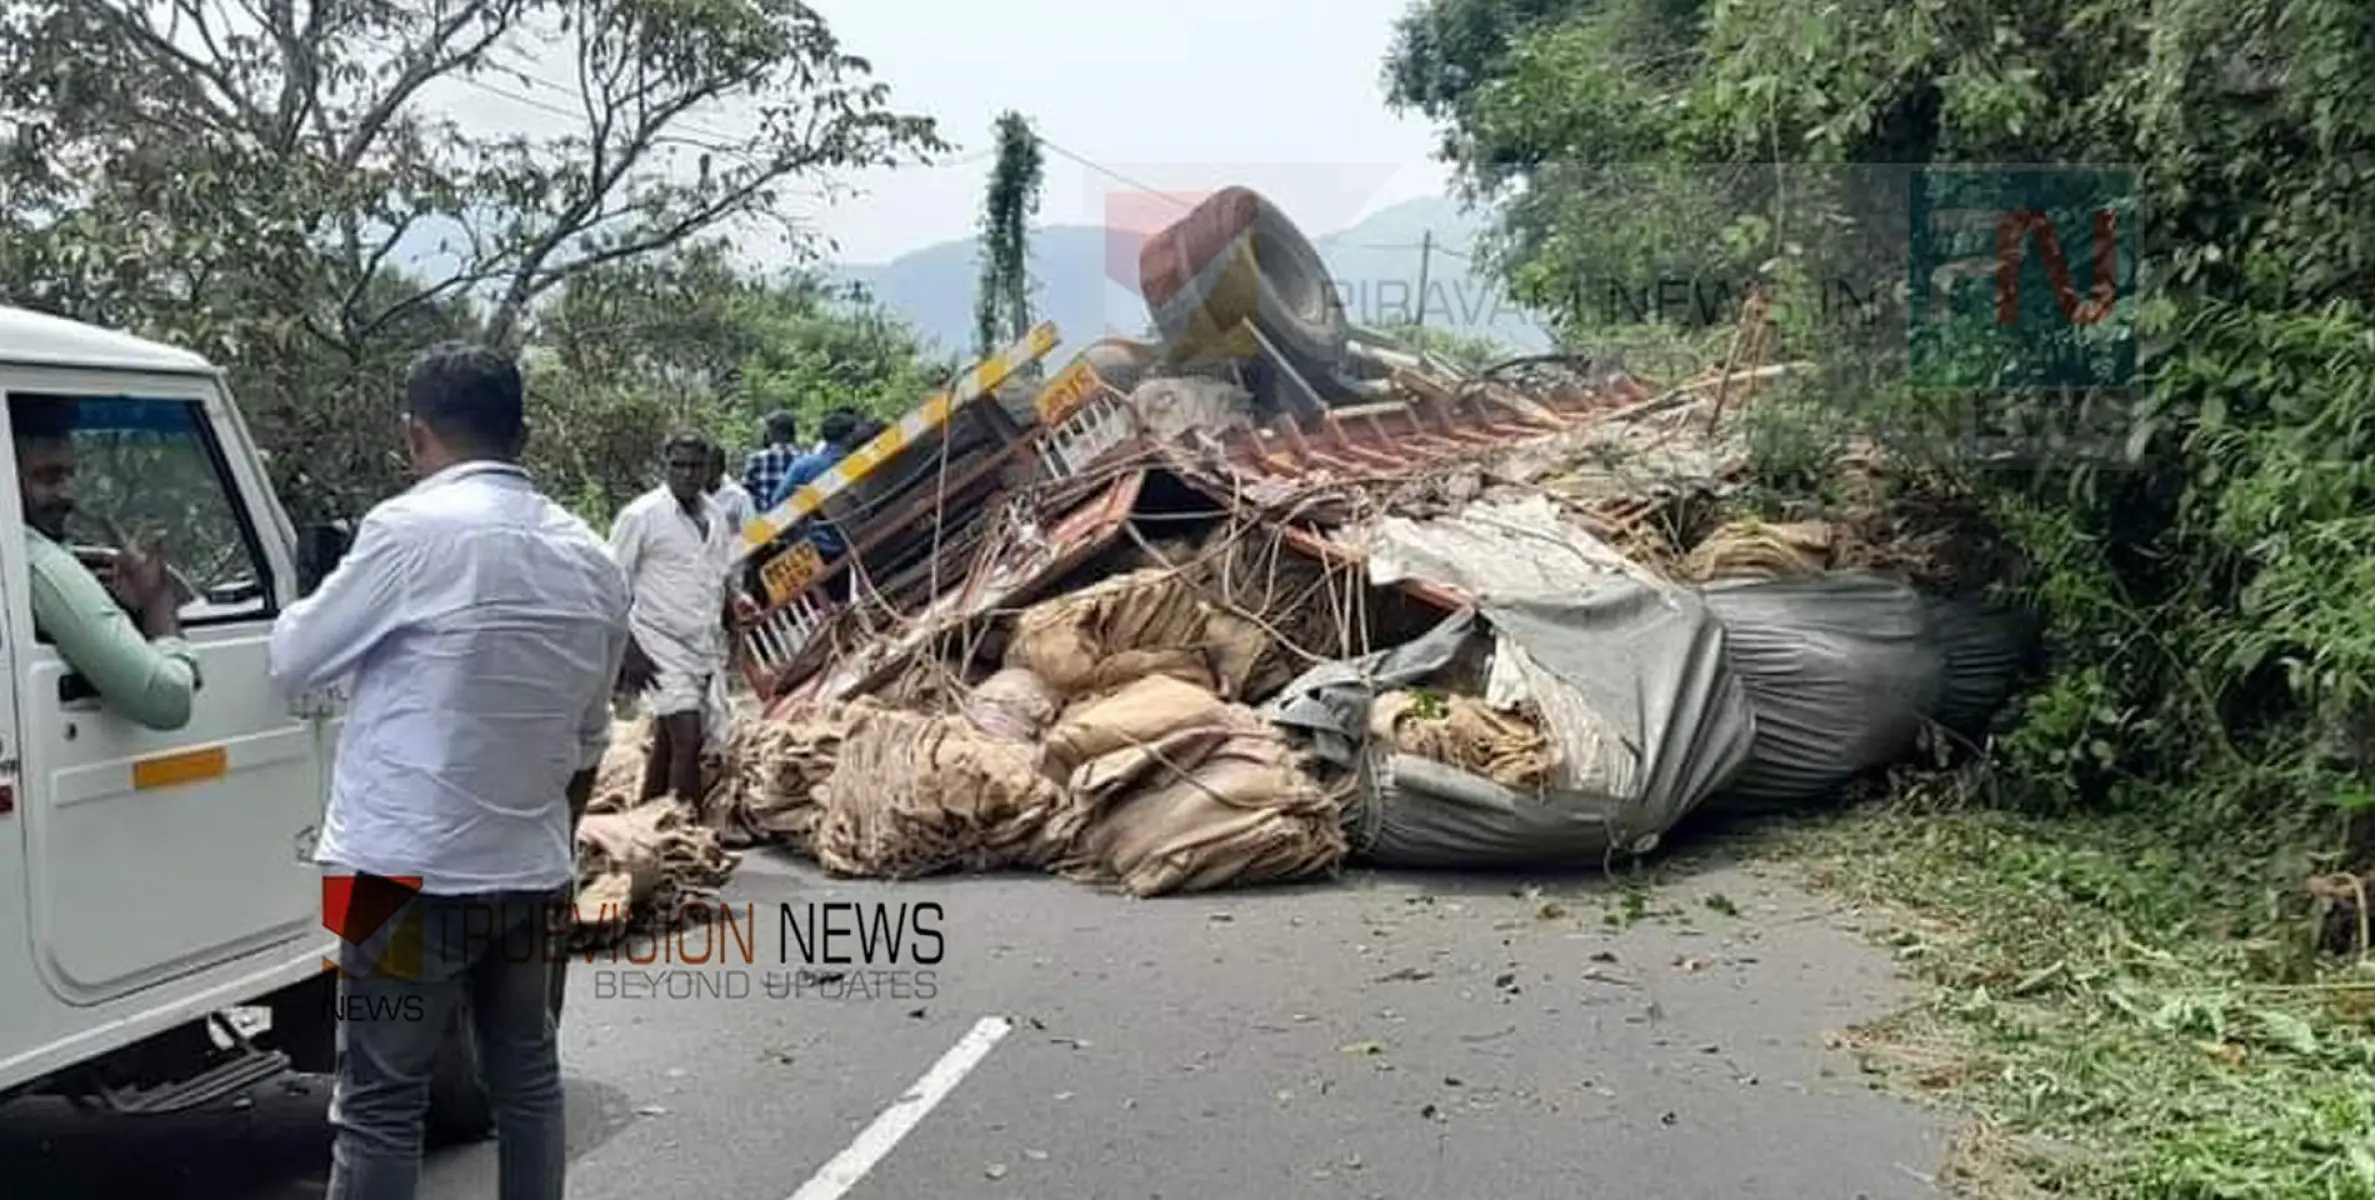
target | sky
[
  {"x": 1185, "y": 95},
  {"x": 1168, "y": 95}
]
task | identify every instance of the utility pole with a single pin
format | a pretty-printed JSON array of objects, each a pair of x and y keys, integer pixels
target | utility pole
[{"x": 1426, "y": 251}]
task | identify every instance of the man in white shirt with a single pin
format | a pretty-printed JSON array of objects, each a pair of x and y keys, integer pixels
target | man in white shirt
[
  {"x": 732, "y": 498},
  {"x": 481, "y": 627},
  {"x": 677, "y": 553}
]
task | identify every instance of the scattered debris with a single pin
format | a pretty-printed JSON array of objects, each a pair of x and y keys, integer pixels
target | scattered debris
[
  {"x": 1289, "y": 597},
  {"x": 913, "y": 795},
  {"x": 642, "y": 863},
  {"x": 1462, "y": 731}
]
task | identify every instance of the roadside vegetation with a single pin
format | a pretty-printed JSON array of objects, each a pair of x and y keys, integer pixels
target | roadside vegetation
[
  {"x": 2139, "y": 912},
  {"x": 2120, "y": 1009},
  {"x": 277, "y": 187}
]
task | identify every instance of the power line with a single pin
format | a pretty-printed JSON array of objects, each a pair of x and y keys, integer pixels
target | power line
[
  {"x": 557, "y": 110},
  {"x": 974, "y": 157},
  {"x": 1437, "y": 247},
  {"x": 575, "y": 93},
  {"x": 966, "y": 161},
  {"x": 537, "y": 81},
  {"x": 715, "y": 146},
  {"x": 1045, "y": 142},
  {"x": 1109, "y": 172},
  {"x": 1429, "y": 245}
]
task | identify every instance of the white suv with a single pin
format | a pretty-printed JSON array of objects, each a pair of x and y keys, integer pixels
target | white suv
[{"x": 154, "y": 883}]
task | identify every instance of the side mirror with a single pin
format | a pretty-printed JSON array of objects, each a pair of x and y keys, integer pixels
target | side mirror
[{"x": 319, "y": 547}]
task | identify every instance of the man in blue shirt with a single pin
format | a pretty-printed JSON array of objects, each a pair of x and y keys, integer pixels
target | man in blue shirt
[{"x": 804, "y": 470}]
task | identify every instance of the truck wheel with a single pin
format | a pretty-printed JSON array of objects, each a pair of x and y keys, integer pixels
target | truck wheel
[{"x": 1235, "y": 258}]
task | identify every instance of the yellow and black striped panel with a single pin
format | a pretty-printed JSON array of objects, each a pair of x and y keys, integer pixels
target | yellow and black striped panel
[{"x": 985, "y": 377}]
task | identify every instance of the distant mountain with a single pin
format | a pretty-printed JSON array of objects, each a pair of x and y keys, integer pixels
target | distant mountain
[{"x": 1086, "y": 280}]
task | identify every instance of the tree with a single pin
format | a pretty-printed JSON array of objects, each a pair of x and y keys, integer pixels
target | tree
[
  {"x": 1444, "y": 49},
  {"x": 631, "y": 350},
  {"x": 1002, "y": 302},
  {"x": 245, "y": 178},
  {"x": 1559, "y": 112},
  {"x": 2206, "y": 574}
]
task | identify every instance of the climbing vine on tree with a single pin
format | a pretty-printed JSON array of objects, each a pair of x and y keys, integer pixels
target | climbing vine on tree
[{"x": 1002, "y": 305}]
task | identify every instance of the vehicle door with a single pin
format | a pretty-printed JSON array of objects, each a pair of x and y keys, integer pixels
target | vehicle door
[{"x": 153, "y": 854}]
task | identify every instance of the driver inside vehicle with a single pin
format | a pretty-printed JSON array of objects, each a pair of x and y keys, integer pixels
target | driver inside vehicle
[{"x": 122, "y": 633}]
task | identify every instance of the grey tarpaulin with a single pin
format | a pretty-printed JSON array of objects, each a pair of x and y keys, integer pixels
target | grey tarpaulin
[
  {"x": 1632, "y": 683},
  {"x": 1420, "y": 813},
  {"x": 1329, "y": 703},
  {"x": 1843, "y": 669},
  {"x": 1986, "y": 650}
]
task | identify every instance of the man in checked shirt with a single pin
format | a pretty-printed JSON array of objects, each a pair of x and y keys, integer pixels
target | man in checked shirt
[{"x": 762, "y": 472}]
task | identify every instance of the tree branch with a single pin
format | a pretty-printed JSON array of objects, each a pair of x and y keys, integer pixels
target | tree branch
[
  {"x": 605, "y": 173},
  {"x": 460, "y": 282},
  {"x": 667, "y": 236},
  {"x": 426, "y": 65},
  {"x": 228, "y": 111}
]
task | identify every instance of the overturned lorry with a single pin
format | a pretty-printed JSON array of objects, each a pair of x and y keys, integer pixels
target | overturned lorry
[
  {"x": 1273, "y": 592},
  {"x": 989, "y": 490}
]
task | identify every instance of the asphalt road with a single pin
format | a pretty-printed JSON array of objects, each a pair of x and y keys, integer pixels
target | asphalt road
[{"x": 1379, "y": 1036}]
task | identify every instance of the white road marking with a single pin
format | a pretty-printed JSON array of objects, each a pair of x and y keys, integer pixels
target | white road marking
[{"x": 905, "y": 1113}]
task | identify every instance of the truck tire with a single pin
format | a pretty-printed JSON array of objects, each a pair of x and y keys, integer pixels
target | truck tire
[{"x": 1236, "y": 258}]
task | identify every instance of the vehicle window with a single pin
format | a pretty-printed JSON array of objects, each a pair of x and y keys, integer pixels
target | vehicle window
[{"x": 151, "y": 469}]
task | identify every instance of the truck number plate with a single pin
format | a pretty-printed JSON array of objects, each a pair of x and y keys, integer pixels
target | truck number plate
[
  {"x": 788, "y": 574},
  {"x": 1068, "y": 392}
]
